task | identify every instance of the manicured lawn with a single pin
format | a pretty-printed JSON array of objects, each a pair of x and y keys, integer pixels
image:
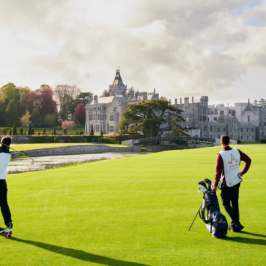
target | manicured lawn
[
  {"x": 132, "y": 211},
  {"x": 33, "y": 146}
]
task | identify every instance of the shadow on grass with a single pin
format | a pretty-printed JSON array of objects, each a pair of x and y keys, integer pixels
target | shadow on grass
[
  {"x": 78, "y": 254},
  {"x": 240, "y": 239}
]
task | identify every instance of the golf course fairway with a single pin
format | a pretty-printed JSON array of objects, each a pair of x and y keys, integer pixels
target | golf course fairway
[{"x": 132, "y": 211}]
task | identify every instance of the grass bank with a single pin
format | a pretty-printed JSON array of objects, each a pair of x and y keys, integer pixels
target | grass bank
[{"x": 132, "y": 211}]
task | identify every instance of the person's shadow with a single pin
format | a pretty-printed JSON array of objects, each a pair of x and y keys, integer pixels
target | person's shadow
[
  {"x": 246, "y": 240},
  {"x": 78, "y": 254}
]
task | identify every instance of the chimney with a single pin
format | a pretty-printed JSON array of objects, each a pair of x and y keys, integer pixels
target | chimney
[
  {"x": 192, "y": 99},
  {"x": 175, "y": 102},
  {"x": 95, "y": 98},
  {"x": 186, "y": 100},
  {"x": 256, "y": 103},
  {"x": 131, "y": 94},
  {"x": 180, "y": 100},
  {"x": 145, "y": 96}
]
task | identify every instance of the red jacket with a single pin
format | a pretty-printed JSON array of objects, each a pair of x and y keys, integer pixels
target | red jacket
[{"x": 219, "y": 169}]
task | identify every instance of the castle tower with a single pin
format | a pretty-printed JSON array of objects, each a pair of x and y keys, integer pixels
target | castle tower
[{"x": 118, "y": 88}]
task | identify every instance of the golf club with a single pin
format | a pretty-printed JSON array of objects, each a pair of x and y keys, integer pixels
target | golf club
[
  {"x": 202, "y": 189},
  {"x": 203, "y": 184},
  {"x": 209, "y": 182},
  {"x": 32, "y": 161}
]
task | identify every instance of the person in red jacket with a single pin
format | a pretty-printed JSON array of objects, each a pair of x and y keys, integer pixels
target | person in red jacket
[{"x": 228, "y": 173}]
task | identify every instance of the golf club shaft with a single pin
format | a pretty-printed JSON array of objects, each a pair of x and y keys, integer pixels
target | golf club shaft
[
  {"x": 18, "y": 151},
  {"x": 195, "y": 217}
]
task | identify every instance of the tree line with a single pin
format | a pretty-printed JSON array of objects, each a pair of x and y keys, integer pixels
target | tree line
[{"x": 43, "y": 107}]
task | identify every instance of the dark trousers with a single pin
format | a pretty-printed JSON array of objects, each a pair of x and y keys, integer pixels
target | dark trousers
[
  {"x": 229, "y": 196},
  {"x": 3, "y": 202}
]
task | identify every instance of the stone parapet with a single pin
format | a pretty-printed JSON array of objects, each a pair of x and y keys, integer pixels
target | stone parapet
[{"x": 79, "y": 149}]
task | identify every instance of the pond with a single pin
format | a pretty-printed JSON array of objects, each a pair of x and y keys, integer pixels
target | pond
[{"x": 49, "y": 162}]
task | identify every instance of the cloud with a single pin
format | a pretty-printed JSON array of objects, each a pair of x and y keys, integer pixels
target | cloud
[{"x": 181, "y": 48}]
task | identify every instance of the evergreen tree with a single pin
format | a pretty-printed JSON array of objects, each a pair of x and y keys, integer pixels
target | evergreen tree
[
  {"x": 54, "y": 131},
  {"x": 21, "y": 131},
  {"x": 150, "y": 117},
  {"x": 36, "y": 118},
  {"x": 44, "y": 131},
  {"x": 14, "y": 129},
  {"x": 10, "y": 132},
  {"x": 2, "y": 117},
  {"x": 92, "y": 132},
  {"x": 29, "y": 129},
  {"x": 101, "y": 132},
  {"x": 12, "y": 115}
]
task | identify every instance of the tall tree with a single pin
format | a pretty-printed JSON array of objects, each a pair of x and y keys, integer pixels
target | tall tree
[
  {"x": 106, "y": 93},
  {"x": 49, "y": 120},
  {"x": 7, "y": 91},
  {"x": 42, "y": 100},
  {"x": 61, "y": 91},
  {"x": 150, "y": 117},
  {"x": 36, "y": 118},
  {"x": 80, "y": 113},
  {"x": 45, "y": 86},
  {"x": 84, "y": 97},
  {"x": 25, "y": 119},
  {"x": 2, "y": 117},
  {"x": 23, "y": 91},
  {"x": 12, "y": 115}
]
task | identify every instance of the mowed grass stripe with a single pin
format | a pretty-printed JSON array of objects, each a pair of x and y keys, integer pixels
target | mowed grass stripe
[
  {"x": 135, "y": 209},
  {"x": 33, "y": 146}
]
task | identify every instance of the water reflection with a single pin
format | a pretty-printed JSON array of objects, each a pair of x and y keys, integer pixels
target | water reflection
[{"x": 49, "y": 162}]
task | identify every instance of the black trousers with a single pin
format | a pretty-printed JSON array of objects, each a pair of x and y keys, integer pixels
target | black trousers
[
  {"x": 3, "y": 202},
  {"x": 229, "y": 196}
]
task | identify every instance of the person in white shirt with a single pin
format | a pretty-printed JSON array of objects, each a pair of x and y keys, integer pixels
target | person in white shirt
[{"x": 5, "y": 157}]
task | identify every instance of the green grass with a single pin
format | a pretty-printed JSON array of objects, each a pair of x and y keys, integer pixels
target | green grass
[
  {"x": 132, "y": 211},
  {"x": 33, "y": 146}
]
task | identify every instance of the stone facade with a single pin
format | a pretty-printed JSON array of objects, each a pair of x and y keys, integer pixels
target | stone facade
[
  {"x": 244, "y": 121},
  {"x": 104, "y": 113}
]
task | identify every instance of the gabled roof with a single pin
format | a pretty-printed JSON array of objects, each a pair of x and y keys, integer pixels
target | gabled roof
[
  {"x": 248, "y": 108},
  {"x": 118, "y": 80}
]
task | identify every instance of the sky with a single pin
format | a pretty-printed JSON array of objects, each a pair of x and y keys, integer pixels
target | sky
[{"x": 214, "y": 48}]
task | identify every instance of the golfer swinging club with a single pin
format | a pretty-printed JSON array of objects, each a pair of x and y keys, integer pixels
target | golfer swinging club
[
  {"x": 227, "y": 169},
  {"x": 5, "y": 157}
]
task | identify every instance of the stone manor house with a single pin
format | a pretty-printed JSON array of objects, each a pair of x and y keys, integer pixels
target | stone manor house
[{"x": 244, "y": 121}]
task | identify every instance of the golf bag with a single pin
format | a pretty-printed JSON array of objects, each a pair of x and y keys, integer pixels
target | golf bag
[{"x": 215, "y": 222}]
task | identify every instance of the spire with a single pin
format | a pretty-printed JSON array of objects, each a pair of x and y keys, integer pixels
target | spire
[{"x": 118, "y": 80}]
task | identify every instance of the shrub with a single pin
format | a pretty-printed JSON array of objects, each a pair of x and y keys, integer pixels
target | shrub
[
  {"x": 5, "y": 130},
  {"x": 238, "y": 141},
  {"x": 68, "y": 125},
  {"x": 10, "y": 132},
  {"x": 32, "y": 131},
  {"x": 263, "y": 141},
  {"x": 81, "y": 133},
  {"x": 65, "y": 132},
  {"x": 91, "y": 132},
  {"x": 54, "y": 131},
  {"x": 21, "y": 131},
  {"x": 44, "y": 131}
]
